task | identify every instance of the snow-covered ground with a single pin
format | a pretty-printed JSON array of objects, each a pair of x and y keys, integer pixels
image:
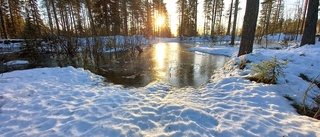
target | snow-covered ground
[
  {"x": 75, "y": 102},
  {"x": 16, "y": 62}
]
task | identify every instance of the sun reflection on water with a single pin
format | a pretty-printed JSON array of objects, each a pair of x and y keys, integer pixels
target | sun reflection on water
[
  {"x": 160, "y": 54},
  {"x": 160, "y": 57}
]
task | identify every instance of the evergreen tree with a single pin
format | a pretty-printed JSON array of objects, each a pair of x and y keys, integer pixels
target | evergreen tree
[
  {"x": 249, "y": 27},
  {"x": 311, "y": 23},
  {"x": 233, "y": 34},
  {"x": 188, "y": 22},
  {"x": 3, "y": 15},
  {"x": 230, "y": 17},
  {"x": 33, "y": 16},
  {"x": 15, "y": 21},
  {"x": 207, "y": 10}
]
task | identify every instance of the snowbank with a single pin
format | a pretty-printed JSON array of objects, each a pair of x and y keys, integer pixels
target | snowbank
[
  {"x": 217, "y": 50},
  {"x": 75, "y": 102},
  {"x": 16, "y": 62}
]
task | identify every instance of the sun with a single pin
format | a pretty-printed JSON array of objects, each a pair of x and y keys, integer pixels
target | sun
[{"x": 159, "y": 21}]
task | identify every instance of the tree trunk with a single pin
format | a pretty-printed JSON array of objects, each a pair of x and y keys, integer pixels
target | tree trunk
[
  {"x": 309, "y": 33},
  {"x": 182, "y": 21},
  {"x": 125, "y": 17},
  {"x": 304, "y": 16},
  {"x": 234, "y": 27},
  {"x": 249, "y": 27},
  {"x": 213, "y": 16},
  {"x": 268, "y": 21},
  {"x": 94, "y": 32},
  {"x": 79, "y": 27},
  {"x": 55, "y": 16},
  {"x": 196, "y": 17},
  {"x": 12, "y": 20},
  {"x": 49, "y": 16},
  {"x": 299, "y": 21},
  {"x": 230, "y": 17},
  {"x": 3, "y": 26}
]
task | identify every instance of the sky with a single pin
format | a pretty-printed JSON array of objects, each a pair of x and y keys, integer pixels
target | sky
[{"x": 174, "y": 20}]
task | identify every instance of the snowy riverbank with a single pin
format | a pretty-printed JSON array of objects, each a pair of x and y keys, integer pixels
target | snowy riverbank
[{"x": 75, "y": 102}]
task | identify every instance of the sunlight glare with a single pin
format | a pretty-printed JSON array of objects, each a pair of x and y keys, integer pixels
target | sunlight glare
[
  {"x": 160, "y": 21},
  {"x": 160, "y": 55}
]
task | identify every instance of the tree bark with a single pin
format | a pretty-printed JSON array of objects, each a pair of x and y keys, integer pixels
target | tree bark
[
  {"x": 125, "y": 17},
  {"x": 213, "y": 16},
  {"x": 55, "y": 16},
  {"x": 196, "y": 17},
  {"x": 12, "y": 19},
  {"x": 49, "y": 16},
  {"x": 249, "y": 27},
  {"x": 182, "y": 21},
  {"x": 234, "y": 27},
  {"x": 230, "y": 17},
  {"x": 3, "y": 26},
  {"x": 94, "y": 32},
  {"x": 309, "y": 33},
  {"x": 304, "y": 16},
  {"x": 269, "y": 4}
]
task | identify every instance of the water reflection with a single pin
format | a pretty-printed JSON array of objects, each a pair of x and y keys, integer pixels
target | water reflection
[
  {"x": 160, "y": 55},
  {"x": 169, "y": 62},
  {"x": 174, "y": 64}
]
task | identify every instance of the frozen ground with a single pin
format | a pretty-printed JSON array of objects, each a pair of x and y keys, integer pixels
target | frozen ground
[{"x": 74, "y": 102}]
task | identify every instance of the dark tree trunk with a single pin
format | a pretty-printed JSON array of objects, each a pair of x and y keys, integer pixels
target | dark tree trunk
[
  {"x": 125, "y": 17},
  {"x": 309, "y": 33},
  {"x": 182, "y": 22},
  {"x": 304, "y": 16},
  {"x": 230, "y": 17},
  {"x": 196, "y": 17},
  {"x": 94, "y": 32},
  {"x": 49, "y": 16},
  {"x": 55, "y": 16},
  {"x": 249, "y": 27},
  {"x": 213, "y": 16},
  {"x": 268, "y": 21},
  {"x": 4, "y": 30},
  {"x": 12, "y": 20},
  {"x": 234, "y": 27}
]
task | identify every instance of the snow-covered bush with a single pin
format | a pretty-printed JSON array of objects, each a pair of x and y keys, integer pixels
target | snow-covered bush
[{"x": 268, "y": 72}]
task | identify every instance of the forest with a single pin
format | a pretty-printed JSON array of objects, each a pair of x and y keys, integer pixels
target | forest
[
  {"x": 81, "y": 18},
  {"x": 66, "y": 24}
]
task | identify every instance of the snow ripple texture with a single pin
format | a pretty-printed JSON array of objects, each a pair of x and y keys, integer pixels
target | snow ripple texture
[{"x": 74, "y": 102}]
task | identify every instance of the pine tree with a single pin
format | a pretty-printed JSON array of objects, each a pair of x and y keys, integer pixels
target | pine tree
[
  {"x": 2, "y": 18},
  {"x": 311, "y": 23},
  {"x": 207, "y": 10},
  {"x": 15, "y": 21},
  {"x": 230, "y": 17},
  {"x": 234, "y": 26},
  {"x": 34, "y": 18},
  {"x": 249, "y": 27},
  {"x": 188, "y": 22}
]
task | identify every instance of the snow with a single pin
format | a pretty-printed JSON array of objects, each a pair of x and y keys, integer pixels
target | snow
[
  {"x": 217, "y": 50},
  {"x": 75, "y": 102},
  {"x": 16, "y": 62}
]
